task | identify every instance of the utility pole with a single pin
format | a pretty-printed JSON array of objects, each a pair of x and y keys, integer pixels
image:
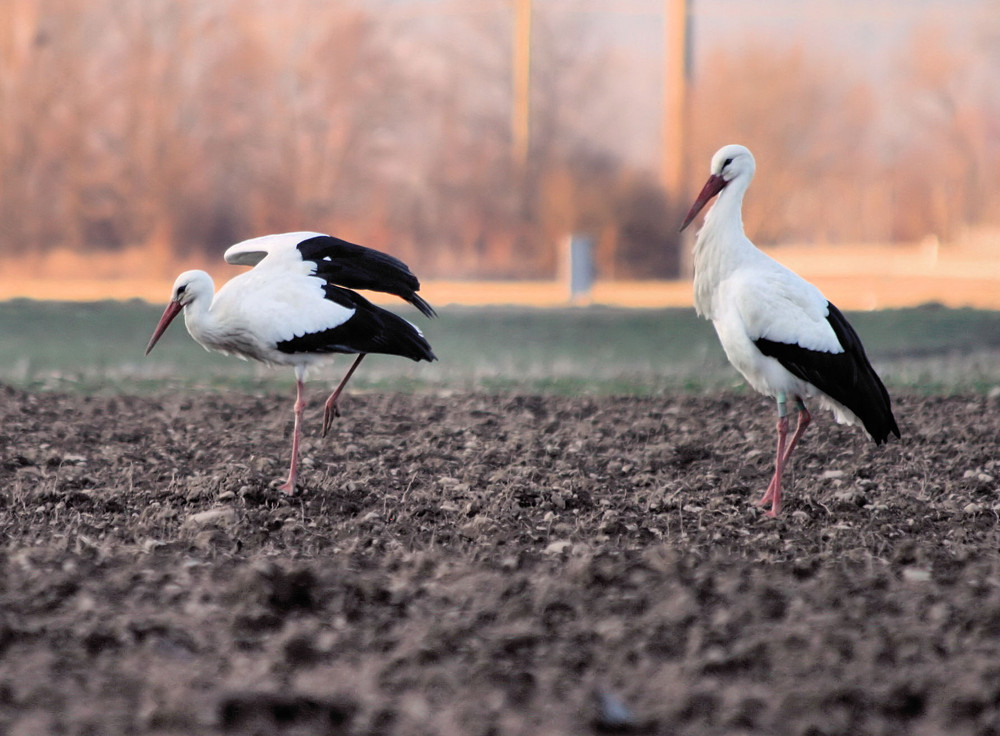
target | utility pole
[
  {"x": 18, "y": 29},
  {"x": 522, "y": 81},
  {"x": 675, "y": 51}
]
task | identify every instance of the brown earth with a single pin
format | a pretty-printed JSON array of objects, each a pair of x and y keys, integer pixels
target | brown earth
[{"x": 480, "y": 564}]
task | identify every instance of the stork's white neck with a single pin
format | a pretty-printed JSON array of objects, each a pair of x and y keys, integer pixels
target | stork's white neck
[
  {"x": 216, "y": 322},
  {"x": 198, "y": 317},
  {"x": 721, "y": 246}
]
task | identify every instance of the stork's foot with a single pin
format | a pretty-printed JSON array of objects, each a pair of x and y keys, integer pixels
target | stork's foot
[
  {"x": 771, "y": 512},
  {"x": 330, "y": 412},
  {"x": 773, "y": 497},
  {"x": 288, "y": 487}
]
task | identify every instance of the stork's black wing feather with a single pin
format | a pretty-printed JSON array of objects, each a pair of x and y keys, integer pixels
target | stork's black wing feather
[
  {"x": 371, "y": 329},
  {"x": 356, "y": 267},
  {"x": 846, "y": 377}
]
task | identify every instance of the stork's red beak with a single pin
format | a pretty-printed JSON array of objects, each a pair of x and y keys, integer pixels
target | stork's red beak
[
  {"x": 713, "y": 186},
  {"x": 172, "y": 310}
]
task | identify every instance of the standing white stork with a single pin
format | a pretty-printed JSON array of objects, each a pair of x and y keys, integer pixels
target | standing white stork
[
  {"x": 776, "y": 328},
  {"x": 296, "y": 307}
]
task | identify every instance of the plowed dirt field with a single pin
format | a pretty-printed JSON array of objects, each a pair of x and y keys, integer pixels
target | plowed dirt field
[{"x": 481, "y": 564}]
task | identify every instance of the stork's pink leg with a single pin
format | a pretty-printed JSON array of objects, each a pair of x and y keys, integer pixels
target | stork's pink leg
[
  {"x": 800, "y": 429},
  {"x": 773, "y": 493},
  {"x": 330, "y": 410},
  {"x": 289, "y": 485}
]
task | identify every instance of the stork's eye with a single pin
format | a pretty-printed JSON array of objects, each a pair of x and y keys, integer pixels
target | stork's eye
[
  {"x": 726, "y": 162},
  {"x": 181, "y": 288}
]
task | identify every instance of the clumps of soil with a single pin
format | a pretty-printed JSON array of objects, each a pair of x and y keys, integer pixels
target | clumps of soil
[{"x": 493, "y": 564}]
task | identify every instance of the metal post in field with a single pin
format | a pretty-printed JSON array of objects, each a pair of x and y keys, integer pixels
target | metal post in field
[{"x": 579, "y": 267}]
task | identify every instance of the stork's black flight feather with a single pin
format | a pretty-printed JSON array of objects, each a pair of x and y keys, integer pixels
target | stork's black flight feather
[
  {"x": 848, "y": 377},
  {"x": 356, "y": 267},
  {"x": 371, "y": 329}
]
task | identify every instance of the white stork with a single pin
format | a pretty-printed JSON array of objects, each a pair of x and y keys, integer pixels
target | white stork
[
  {"x": 296, "y": 307},
  {"x": 776, "y": 328}
]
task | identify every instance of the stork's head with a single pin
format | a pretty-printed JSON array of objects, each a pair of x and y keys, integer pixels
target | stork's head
[
  {"x": 728, "y": 164},
  {"x": 188, "y": 287}
]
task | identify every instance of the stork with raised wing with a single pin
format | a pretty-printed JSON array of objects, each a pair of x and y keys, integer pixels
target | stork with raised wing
[
  {"x": 776, "y": 328},
  {"x": 296, "y": 307}
]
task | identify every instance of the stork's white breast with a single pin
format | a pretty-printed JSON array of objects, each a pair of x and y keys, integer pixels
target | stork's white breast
[
  {"x": 277, "y": 305},
  {"x": 775, "y": 303}
]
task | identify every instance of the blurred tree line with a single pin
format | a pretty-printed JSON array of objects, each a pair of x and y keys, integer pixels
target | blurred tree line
[
  {"x": 186, "y": 125},
  {"x": 838, "y": 162}
]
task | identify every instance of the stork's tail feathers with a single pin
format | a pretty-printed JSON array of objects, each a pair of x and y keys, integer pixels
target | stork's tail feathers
[
  {"x": 873, "y": 407},
  {"x": 868, "y": 397},
  {"x": 401, "y": 337}
]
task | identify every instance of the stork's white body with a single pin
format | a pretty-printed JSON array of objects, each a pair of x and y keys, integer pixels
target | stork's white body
[
  {"x": 279, "y": 299},
  {"x": 296, "y": 307},
  {"x": 776, "y": 328},
  {"x": 748, "y": 295}
]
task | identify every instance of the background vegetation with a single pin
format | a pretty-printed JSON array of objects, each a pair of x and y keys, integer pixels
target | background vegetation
[
  {"x": 99, "y": 346},
  {"x": 186, "y": 125}
]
